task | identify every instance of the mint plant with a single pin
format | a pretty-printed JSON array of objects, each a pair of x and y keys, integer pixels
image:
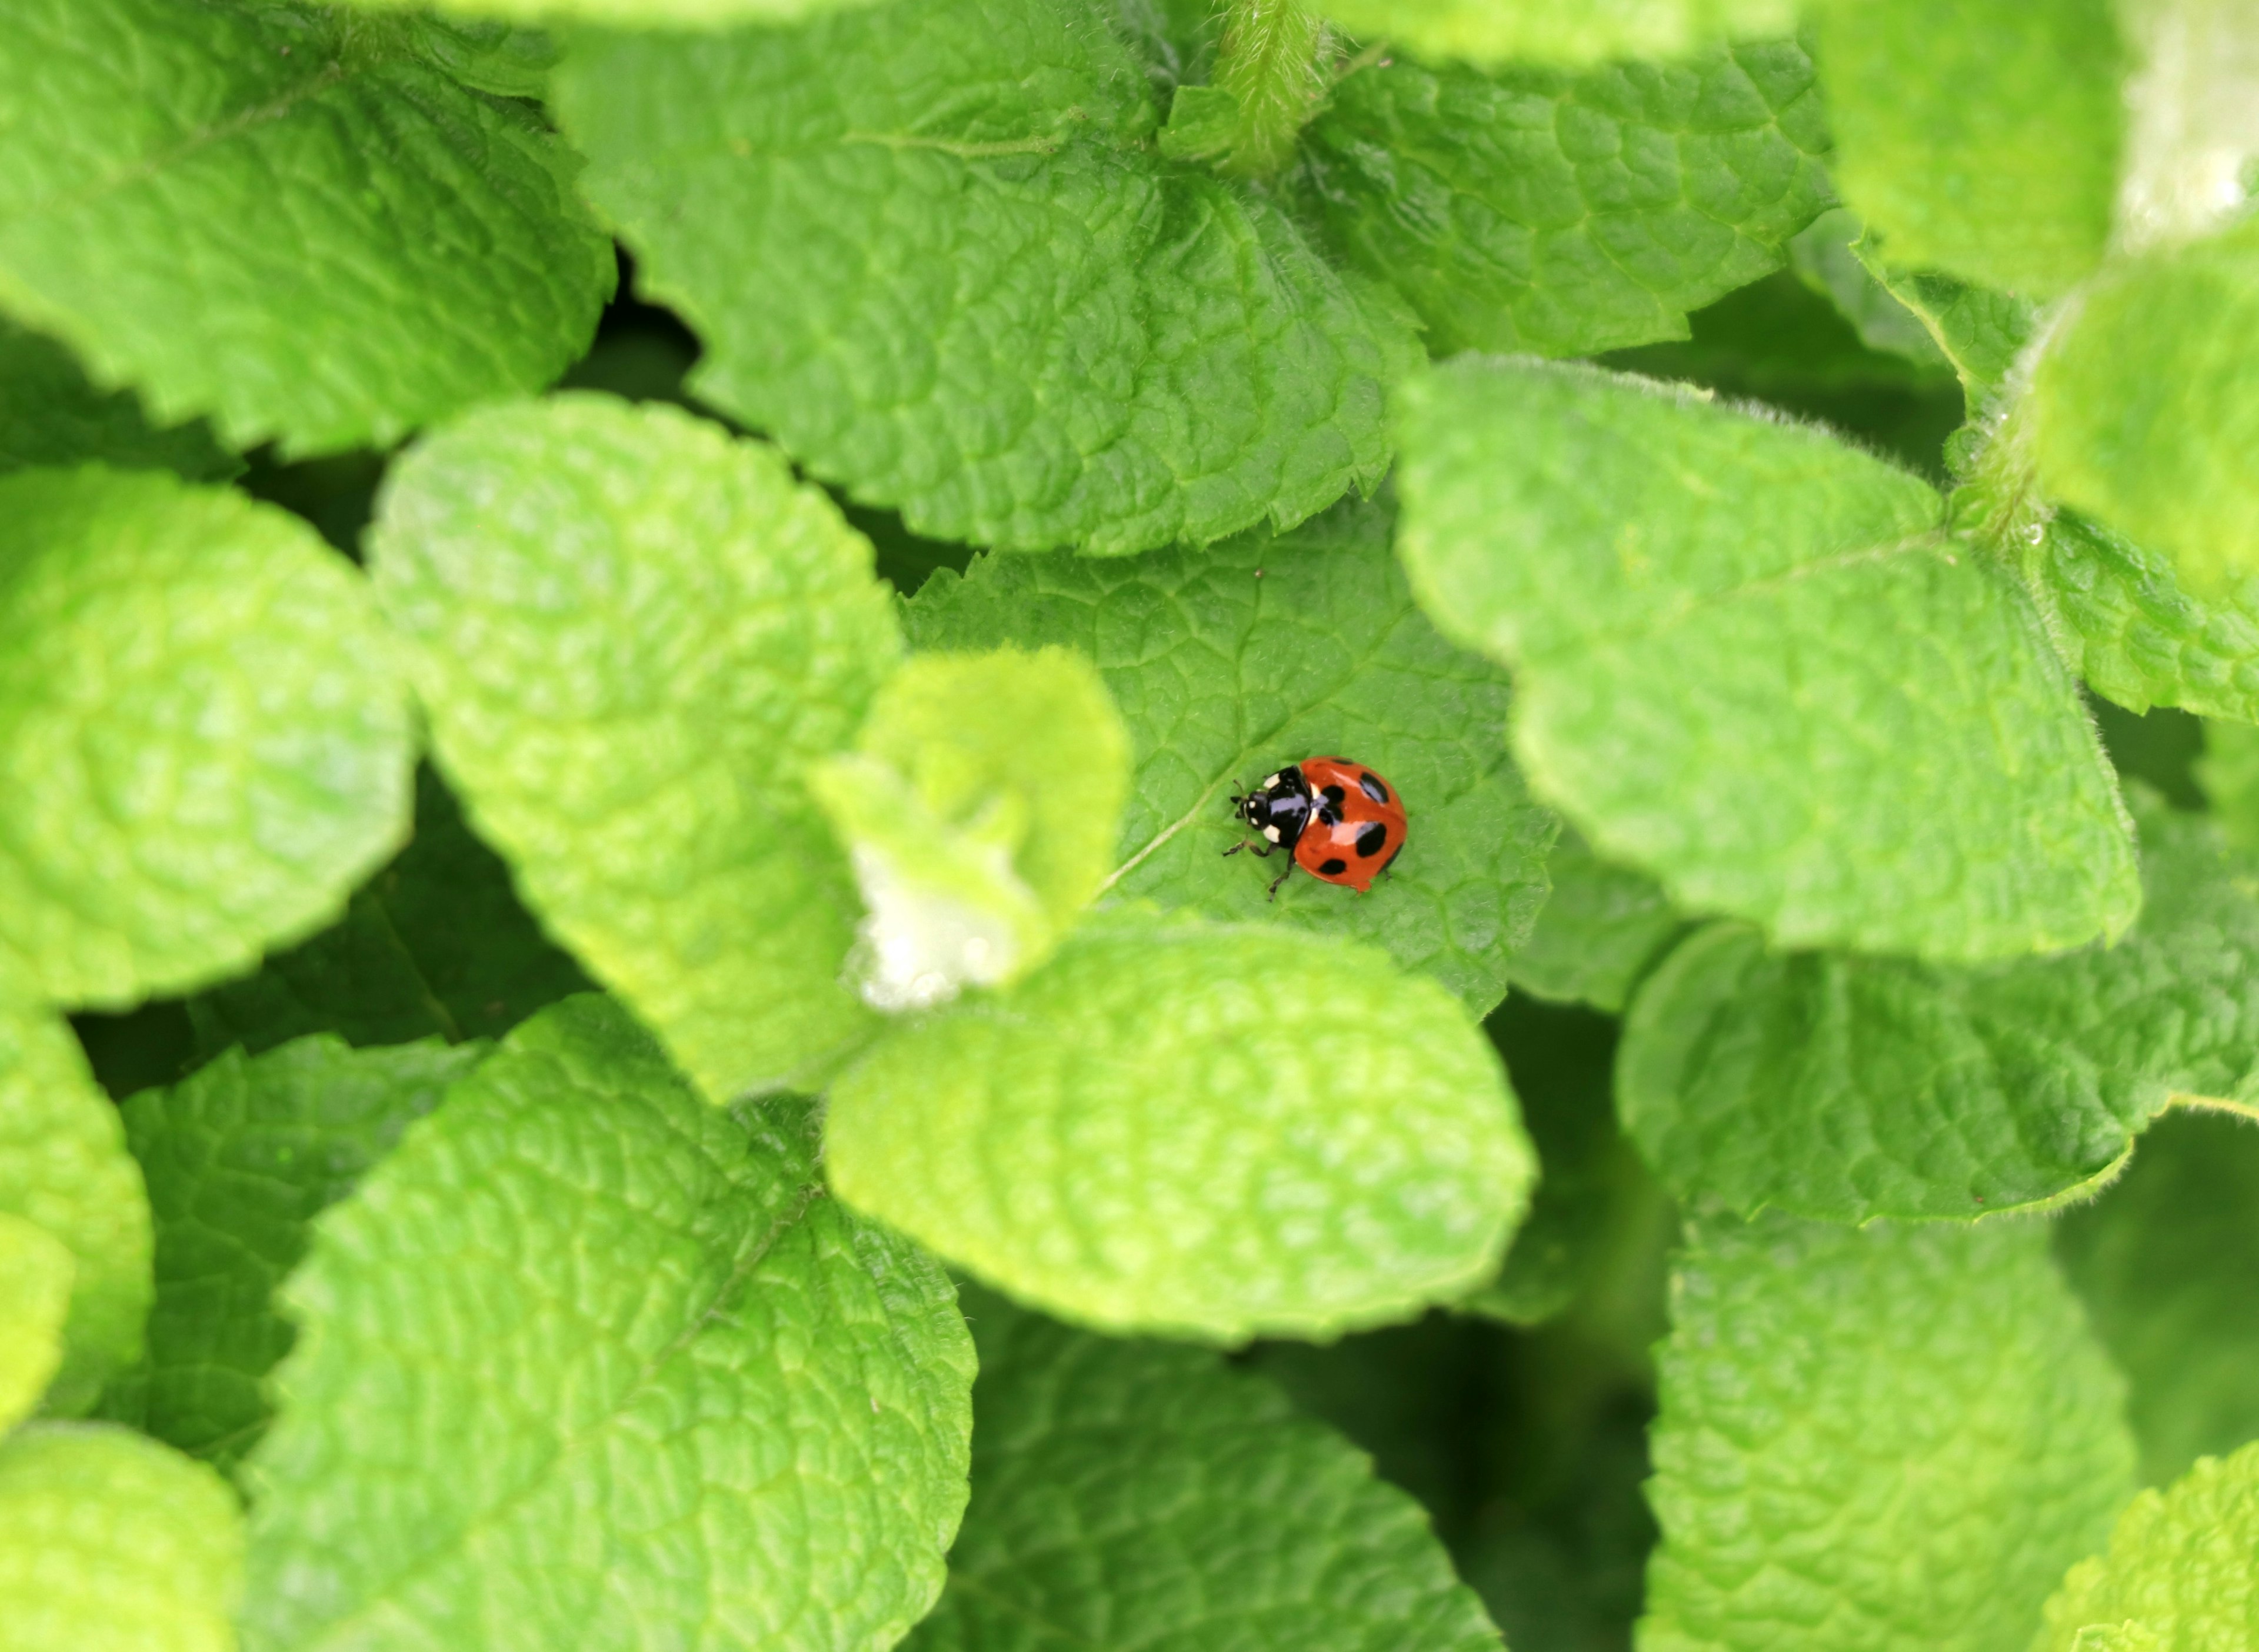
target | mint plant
[{"x": 627, "y": 628}]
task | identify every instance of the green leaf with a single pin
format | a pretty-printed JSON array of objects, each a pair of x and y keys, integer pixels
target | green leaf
[
  {"x": 2165, "y": 1260},
  {"x": 110, "y": 1543},
  {"x": 1827, "y": 257},
  {"x": 1849, "y": 1087},
  {"x": 2176, "y": 1576},
  {"x": 1004, "y": 314},
  {"x": 35, "y": 1290},
  {"x": 218, "y": 772},
  {"x": 2141, "y": 409},
  {"x": 1874, "y": 1438},
  {"x": 64, "y": 1168},
  {"x": 1211, "y": 1130},
  {"x": 1559, "y": 31},
  {"x": 422, "y": 247},
  {"x": 239, "y": 1158},
  {"x": 636, "y": 1331},
  {"x": 1139, "y": 1494},
  {"x": 2228, "y": 772},
  {"x": 1566, "y": 213},
  {"x": 1982, "y": 333},
  {"x": 1229, "y": 662},
  {"x": 1597, "y": 933},
  {"x": 1750, "y": 663},
  {"x": 629, "y": 14},
  {"x": 436, "y": 943},
  {"x": 980, "y": 805},
  {"x": 629, "y": 673},
  {"x": 1981, "y": 137},
  {"x": 50, "y": 415}
]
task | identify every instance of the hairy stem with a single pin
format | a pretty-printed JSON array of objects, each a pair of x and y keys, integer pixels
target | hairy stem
[{"x": 1273, "y": 62}]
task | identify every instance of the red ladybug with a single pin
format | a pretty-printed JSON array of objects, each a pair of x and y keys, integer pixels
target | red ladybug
[{"x": 1339, "y": 820}]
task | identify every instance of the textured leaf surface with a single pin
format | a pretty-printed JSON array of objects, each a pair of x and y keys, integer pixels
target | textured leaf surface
[
  {"x": 1164, "y": 1128},
  {"x": 1564, "y": 214},
  {"x": 639, "y": 1336},
  {"x": 1979, "y": 137},
  {"x": 35, "y": 1292},
  {"x": 213, "y": 774},
  {"x": 110, "y": 1543},
  {"x": 1849, "y": 1087},
  {"x": 1227, "y": 663},
  {"x": 2178, "y": 1575},
  {"x": 633, "y": 14},
  {"x": 1749, "y": 663},
  {"x": 1598, "y": 932},
  {"x": 50, "y": 415},
  {"x": 2143, "y": 411},
  {"x": 2165, "y": 1260},
  {"x": 634, "y": 635},
  {"x": 435, "y": 944},
  {"x": 278, "y": 216},
  {"x": 1874, "y": 1438},
  {"x": 930, "y": 248},
  {"x": 1137, "y": 1494},
  {"x": 239, "y": 1158},
  {"x": 1559, "y": 31},
  {"x": 980, "y": 805},
  {"x": 1981, "y": 331},
  {"x": 64, "y": 1168}
]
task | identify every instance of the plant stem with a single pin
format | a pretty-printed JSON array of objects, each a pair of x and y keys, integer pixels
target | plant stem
[{"x": 1272, "y": 62}]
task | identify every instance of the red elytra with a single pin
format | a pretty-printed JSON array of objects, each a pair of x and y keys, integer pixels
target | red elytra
[{"x": 1339, "y": 820}]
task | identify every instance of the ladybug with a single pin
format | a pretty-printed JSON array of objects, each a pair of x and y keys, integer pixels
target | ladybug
[{"x": 1338, "y": 820}]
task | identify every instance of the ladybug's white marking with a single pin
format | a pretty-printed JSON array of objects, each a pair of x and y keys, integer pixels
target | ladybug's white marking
[{"x": 1272, "y": 832}]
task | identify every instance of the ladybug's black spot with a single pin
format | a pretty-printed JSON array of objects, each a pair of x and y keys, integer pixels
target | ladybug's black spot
[
  {"x": 1371, "y": 840},
  {"x": 1369, "y": 783},
  {"x": 1333, "y": 794},
  {"x": 1333, "y": 868}
]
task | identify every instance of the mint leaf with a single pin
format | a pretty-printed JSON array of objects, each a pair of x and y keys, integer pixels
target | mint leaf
[
  {"x": 1597, "y": 933},
  {"x": 638, "y": 1329},
  {"x": 436, "y": 943},
  {"x": 64, "y": 1169},
  {"x": 2141, "y": 409},
  {"x": 1829, "y": 257},
  {"x": 50, "y": 415},
  {"x": 628, "y": 674},
  {"x": 1981, "y": 137},
  {"x": 1559, "y": 31},
  {"x": 1265, "y": 649},
  {"x": 1137, "y": 1494},
  {"x": 35, "y": 1290},
  {"x": 109, "y": 1542},
  {"x": 631, "y": 14},
  {"x": 999, "y": 310},
  {"x": 1542, "y": 210},
  {"x": 427, "y": 250},
  {"x": 216, "y": 785},
  {"x": 1982, "y": 333},
  {"x": 979, "y": 805},
  {"x": 1166, "y": 1129},
  {"x": 2164, "y": 1260},
  {"x": 2228, "y": 773},
  {"x": 239, "y": 1158},
  {"x": 1849, "y": 1087},
  {"x": 1750, "y": 662},
  {"x": 2176, "y": 1576},
  {"x": 1879, "y": 1438}
]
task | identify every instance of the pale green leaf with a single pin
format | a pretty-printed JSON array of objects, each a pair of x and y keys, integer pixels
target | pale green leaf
[
  {"x": 1538, "y": 209},
  {"x": 1229, "y": 662},
  {"x": 1849, "y": 1087},
  {"x": 1139, "y": 1494},
  {"x": 1981, "y": 137},
  {"x": 999, "y": 310},
  {"x": 35, "y": 1291},
  {"x": 417, "y": 246},
  {"x": 647, "y": 1381},
  {"x": 1559, "y": 31},
  {"x": 206, "y": 744},
  {"x": 1166, "y": 1129},
  {"x": 2165, "y": 1259},
  {"x": 979, "y": 805},
  {"x": 64, "y": 1168},
  {"x": 629, "y": 667},
  {"x": 2192, "y": 127},
  {"x": 2142, "y": 411},
  {"x": 1750, "y": 663},
  {"x": 1598, "y": 932},
  {"x": 2178, "y": 1575},
  {"x": 1889, "y": 1438},
  {"x": 239, "y": 1158},
  {"x": 50, "y": 415},
  {"x": 2228, "y": 773},
  {"x": 110, "y": 1543}
]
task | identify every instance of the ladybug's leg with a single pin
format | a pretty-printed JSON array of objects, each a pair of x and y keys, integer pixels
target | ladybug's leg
[
  {"x": 1262, "y": 851},
  {"x": 1281, "y": 878}
]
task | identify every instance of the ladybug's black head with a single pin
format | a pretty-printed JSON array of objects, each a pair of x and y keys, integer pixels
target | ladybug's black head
[{"x": 1279, "y": 809}]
